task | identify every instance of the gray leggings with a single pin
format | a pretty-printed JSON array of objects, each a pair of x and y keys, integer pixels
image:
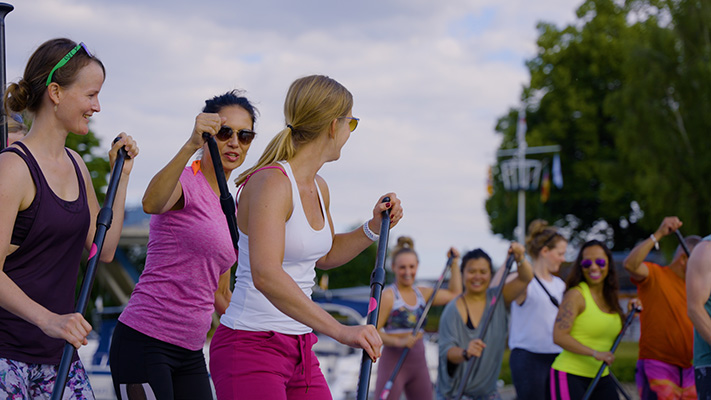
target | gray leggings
[{"x": 413, "y": 378}]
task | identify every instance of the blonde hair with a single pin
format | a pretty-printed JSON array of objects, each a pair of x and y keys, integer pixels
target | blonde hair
[
  {"x": 541, "y": 235},
  {"x": 311, "y": 104},
  {"x": 404, "y": 245}
]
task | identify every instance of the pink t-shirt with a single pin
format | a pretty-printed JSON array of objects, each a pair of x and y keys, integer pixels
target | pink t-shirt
[{"x": 188, "y": 250}]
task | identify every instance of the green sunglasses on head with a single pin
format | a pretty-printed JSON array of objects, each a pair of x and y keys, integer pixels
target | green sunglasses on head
[{"x": 66, "y": 59}]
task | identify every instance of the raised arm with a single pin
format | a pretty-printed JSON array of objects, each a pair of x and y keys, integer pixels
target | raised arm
[
  {"x": 454, "y": 288},
  {"x": 698, "y": 288},
  {"x": 266, "y": 204},
  {"x": 114, "y": 233},
  {"x": 348, "y": 245},
  {"x": 524, "y": 273},
  {"x": 634, "y": 263},
  {"x": 164, "y": 192}
]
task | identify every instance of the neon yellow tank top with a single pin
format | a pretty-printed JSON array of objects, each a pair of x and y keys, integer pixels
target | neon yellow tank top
[{"x": 594, "y": 329}]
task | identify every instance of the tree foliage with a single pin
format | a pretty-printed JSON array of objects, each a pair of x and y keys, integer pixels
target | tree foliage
[
  {"x": 623, "y": 91},
  {"x": 98, "y": 165}
]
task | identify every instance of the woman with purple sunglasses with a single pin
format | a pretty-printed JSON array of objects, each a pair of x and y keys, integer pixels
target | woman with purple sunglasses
[
  {"x": 156, "y": 350},
  {"x": 588, "y": 321}
]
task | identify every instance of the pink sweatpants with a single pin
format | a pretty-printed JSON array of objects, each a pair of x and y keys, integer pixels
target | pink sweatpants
[{"x": 265, "y": 365}]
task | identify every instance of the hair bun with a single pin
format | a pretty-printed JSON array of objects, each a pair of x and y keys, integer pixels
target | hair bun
[
  {"x": 537, "y": 226},
  {"x": 405, "y": 242}
]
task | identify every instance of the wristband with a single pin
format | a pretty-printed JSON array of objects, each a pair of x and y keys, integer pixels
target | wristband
[
  {"x": 368, "y": 233},
  {"x": 654, "y": 239},
  {"x": 465, "y": 355}
]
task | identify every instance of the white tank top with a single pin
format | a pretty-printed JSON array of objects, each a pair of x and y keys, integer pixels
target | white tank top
[
  {"x": 532, "y": 322},
  {"x": 249, "y": 309}
]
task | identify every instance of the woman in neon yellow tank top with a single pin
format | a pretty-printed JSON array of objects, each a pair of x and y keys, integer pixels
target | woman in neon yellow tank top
[{"x": 588, "y": 321}]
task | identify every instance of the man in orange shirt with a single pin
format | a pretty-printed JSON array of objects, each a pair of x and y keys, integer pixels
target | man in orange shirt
[{"x": 664, "y": 368}]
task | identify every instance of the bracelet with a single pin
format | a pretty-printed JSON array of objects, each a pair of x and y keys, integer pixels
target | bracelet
[
  {"x": 654, "y": 239},
  {"x": 466, "y": 355},
  {"x": 594, "y": 354},
  {"x": 368, "y": 233}
]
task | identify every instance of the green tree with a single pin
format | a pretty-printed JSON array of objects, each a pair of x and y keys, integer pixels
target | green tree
[
  {"x": 353, "y": 273},
  {"x": 595, "y": 90},
  {"x": 98, "y": 164}
]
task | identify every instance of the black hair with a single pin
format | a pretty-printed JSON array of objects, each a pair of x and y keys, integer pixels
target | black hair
[
  {"x": 232, "y": 98},
  {"x": 475, "y": 255}
]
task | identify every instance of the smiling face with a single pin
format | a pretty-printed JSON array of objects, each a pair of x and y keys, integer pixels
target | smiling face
[
  {"x": 232, "y": 151},
  {"x": 555, "y": 256},
  {"x": 405, "y": 268},
  {"x": 594, "y": 274},
  {"x": 80, "y": 100},
  {"x": 476, "y": 275}
]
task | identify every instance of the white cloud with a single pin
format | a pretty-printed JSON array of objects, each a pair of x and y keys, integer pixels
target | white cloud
[{"x": 429, "y": 81}]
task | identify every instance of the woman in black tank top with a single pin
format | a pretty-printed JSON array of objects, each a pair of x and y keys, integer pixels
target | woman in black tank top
[{"x": 48, "y": 216}]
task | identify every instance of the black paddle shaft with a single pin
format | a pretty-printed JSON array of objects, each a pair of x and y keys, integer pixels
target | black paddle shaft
[
  {"x": 486, "y": 319},
  {"x": 377, "y": 280},
  {"x": 618, "y": 339},
  {"x": 420, "y": 322},
  {"x": 4, "y": 10},
  {"x": 682, "y": 242},
  {"x": 103, "y": 223},
  {"x": 227, "y": 202}
]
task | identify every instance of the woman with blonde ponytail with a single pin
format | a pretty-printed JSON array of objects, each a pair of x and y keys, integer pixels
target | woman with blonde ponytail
[{"x": 262, "y": 349}]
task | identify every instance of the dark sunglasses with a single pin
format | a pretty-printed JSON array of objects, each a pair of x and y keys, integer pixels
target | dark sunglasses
[
  {"x": 245, "y": 136},
  {"x": 586, "y": 263}
]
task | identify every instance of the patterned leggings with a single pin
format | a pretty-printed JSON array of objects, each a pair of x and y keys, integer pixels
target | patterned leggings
[{"x": 20, "y": 380}]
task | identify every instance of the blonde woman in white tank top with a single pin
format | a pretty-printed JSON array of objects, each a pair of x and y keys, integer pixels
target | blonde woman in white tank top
[{"x": 262, "y": 349}]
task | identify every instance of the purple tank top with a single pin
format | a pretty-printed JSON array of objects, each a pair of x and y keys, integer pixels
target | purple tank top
[{"x": 46, "y": 264}]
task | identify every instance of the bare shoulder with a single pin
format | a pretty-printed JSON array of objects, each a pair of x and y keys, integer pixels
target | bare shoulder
[
  {"x": 700, "y": 258},
  {"x": 574, "y": 298},
  {"x": 13, "y": 170},
  {"x": 80, "y": 162},
  {"x": 267, "y": 187}
]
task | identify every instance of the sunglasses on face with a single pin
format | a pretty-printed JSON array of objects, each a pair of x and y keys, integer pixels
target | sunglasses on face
[
  {"x": 587, "y": 263},
  {"x": 352, "y": 123},
  {"x": 245, "y": 136},
  {"x": 66, "y": 59}
]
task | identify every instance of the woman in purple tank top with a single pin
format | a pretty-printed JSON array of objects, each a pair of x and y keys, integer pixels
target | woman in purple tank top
[
  {"x": 156, "y": 350},
  {"x": 48, "y": 216}
]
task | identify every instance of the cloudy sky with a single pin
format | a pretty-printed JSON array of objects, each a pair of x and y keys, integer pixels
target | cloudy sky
[{"x": 429, "y": 80}]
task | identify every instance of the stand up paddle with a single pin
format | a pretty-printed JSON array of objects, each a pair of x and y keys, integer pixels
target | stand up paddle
[
  {"x": 5, "y": 8},
  {"x": 488, "y": 314},
  {"x": 682, "y": 242},
  {"x": 227, "y": 202},
  {"x": 420, "y": 322},
  {"x": 377, "y": 280},
  {"x": 103, "y": 223},
  {"x": 627, "y": 323}
]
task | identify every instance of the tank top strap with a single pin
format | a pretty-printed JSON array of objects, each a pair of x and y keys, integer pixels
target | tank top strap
[
  {"x": 396, "y": 293},
  {"x": 420, "y": 297},
  {"x": 279, "y": 167},
  {"x": 29, "y": 159}
]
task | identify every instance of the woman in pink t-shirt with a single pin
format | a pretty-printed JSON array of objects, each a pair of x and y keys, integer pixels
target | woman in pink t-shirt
[{"x": 156, "y": 351}]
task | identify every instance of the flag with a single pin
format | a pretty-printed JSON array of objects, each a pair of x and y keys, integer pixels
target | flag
[
  {"x": 490, "y": 183},
  {"x": 545, "y": 187},
  {"x": 557, "y": 172}
]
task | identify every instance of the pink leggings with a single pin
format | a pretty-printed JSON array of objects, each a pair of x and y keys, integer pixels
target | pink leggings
[
  {"x": 413, "y": 378},
  {"x": 265, "y": 365}
]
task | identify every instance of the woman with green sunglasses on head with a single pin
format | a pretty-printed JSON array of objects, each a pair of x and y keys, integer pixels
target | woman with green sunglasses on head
[{"x": 48, "y": 216}]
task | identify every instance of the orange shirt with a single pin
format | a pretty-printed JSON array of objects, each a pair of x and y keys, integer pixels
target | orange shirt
[{"x": 667, "y": 332}]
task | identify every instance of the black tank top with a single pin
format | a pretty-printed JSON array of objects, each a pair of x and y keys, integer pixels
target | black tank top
[{"x": 50, "y": 233}]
